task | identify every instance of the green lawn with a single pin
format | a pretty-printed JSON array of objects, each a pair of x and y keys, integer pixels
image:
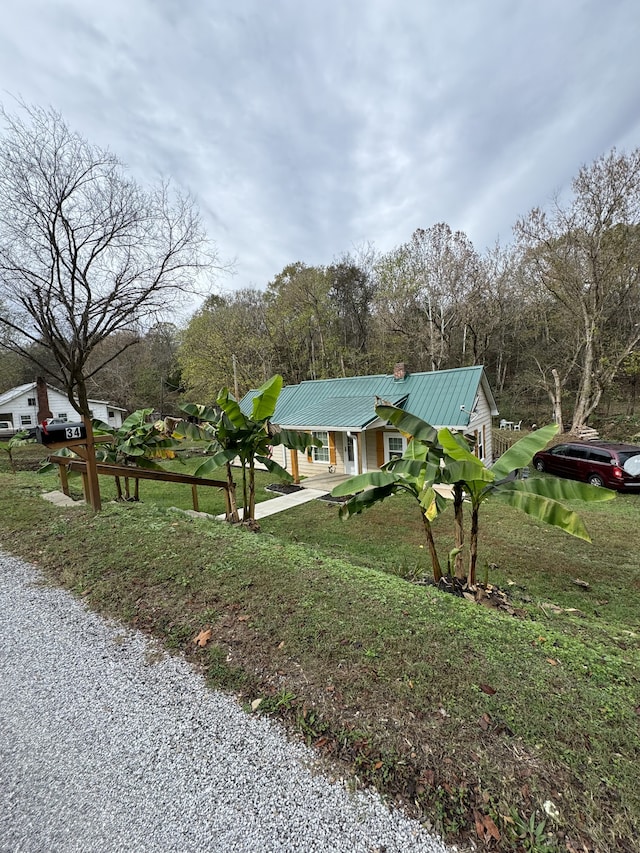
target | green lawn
[{"x": 461, "y": 712}]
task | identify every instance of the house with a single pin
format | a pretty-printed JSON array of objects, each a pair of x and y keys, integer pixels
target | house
[
  {"x": 27, "y": 405},
  {"x": 341, "y": 414}
]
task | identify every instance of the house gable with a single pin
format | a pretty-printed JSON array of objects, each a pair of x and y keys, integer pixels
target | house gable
[
  {"x": 344, "y": 409},
  {"x": 20, "y": 406}
]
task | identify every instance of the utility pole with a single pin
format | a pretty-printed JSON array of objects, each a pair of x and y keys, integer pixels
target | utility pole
[{"x": 235, "y": 377}]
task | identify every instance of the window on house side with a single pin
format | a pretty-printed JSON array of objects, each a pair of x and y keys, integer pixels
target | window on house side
[
  {"x": 31, "y": 401},
  {"x": 395, "y": 446},
  {"x": 321, "y": 454},
  {"x": 25, "y": 420},
  {"x": 62, "y": 416}
]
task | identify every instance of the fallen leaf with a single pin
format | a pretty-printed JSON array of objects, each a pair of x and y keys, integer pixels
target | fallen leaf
[
  {"x": 256, "y": 704},
  {"x": 583, "y": 584},
  {"x": 488, "y": 689},
  {"x": 479, "y": 825},
  {"x": 552, "y": 661},
  {"x": 491, "y": 828},
  {"x": 243, "y": 618},
  {"x": 429, "y": 777},
  {"x": 330, "y": 688},
  {"x": 377, "y": 765},
  {"x": 281, "y": 645},
  {"x": 484, "y": 722},
  {"x": 203, "y": 637}
]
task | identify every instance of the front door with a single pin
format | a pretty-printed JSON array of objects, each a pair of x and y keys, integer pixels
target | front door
[{"x": 350, "y": 464}]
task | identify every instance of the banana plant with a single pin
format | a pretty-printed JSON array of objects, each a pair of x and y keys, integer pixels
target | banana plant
[
  {"x": 249, "y": 439},
  {"x": 9, "y": 446},
  {"x": 540, "y": 498},
  {"x": 442, "y": 458},
  {"x": 137, "y": 442},
  {"x": 416, "y": 473}
]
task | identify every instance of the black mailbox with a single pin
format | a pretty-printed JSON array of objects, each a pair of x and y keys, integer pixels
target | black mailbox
[{"x": 58, "y": 433}]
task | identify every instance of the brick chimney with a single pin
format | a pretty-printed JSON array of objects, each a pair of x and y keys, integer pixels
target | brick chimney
[
  {"x": 42, "y": 395},
  {"x": 399, "y": 371}
]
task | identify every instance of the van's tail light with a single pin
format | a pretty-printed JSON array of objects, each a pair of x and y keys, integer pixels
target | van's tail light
[{"x": 618, "y": 472}]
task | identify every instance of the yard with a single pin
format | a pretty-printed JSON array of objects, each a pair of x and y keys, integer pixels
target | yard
[{"x": 518, "y": 728}]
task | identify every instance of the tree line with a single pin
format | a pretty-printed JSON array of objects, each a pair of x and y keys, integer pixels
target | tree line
[
  {"x": 554, "y": 317},
  {"x": 91, "y": 264}
]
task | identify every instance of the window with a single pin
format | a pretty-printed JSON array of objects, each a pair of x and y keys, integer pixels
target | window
[
  {"x": 31, "y": 401},
  {"x": 62, "y": 416},
  {"x": 599, "y": 456},
  {"x": 578, "y": 452},
  {"x": 111, "y": 414},
  {"x": 394, "y": 445},
  {"x": 25, "y": 420},
  {"x": 321, "y": 454}
]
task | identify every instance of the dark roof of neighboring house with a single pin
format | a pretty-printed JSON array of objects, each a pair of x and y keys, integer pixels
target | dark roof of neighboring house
[{"x": 441, "y": 398}]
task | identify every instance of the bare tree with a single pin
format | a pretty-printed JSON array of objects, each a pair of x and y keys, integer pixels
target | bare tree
[
  {"x": 586, "y": 255},
  {"x": 85, "y": 251}
]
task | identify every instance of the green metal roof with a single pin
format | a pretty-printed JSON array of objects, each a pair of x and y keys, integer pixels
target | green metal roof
[{"x": 442, "y": 398}]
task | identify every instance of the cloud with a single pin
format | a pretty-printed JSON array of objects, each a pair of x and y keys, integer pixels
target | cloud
[{"x": 305, "y": 128}]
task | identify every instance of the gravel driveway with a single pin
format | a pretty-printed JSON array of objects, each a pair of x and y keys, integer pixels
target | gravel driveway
[{"x": 106, "y": 744}]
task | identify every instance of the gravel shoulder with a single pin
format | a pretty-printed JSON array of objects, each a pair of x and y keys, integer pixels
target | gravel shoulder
[{"x": 109, "y": 744}]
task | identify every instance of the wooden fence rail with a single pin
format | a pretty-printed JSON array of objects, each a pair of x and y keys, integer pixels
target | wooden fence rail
[{"x": 108, "y": 469}]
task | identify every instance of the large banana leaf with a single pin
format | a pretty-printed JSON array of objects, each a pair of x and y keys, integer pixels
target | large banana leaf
[
  {"x": 363, "y": 500},
  {"x": 416, "y": 449},
  {"x": 231, "y": 408},
  {"x": 409, "y": 425},
  {"x": 194, "y": 432},
  {"x": 364, "y": 481},
  {"x": 467, "y": 470},
  {"x": 204, "y": 413},
  {"x": 295, "y": 440},
  {"x": 456, "y": 446},
  {"x": 214, "y": 462},
  {"x": 454, "y": 443},
  {"x": 543, "y": 509},
  {"x": 135, "y": 419},
  {"x": 409, "y": 467},
  {"x": 519, "y": 455},
  {"x": 558, "y": 489},
  {"x": 264, "y": 403},
  {"x": 432, "y": 503},
  {"x": 131, "y": 447}
]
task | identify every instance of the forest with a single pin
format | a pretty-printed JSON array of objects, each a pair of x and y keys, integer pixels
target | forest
[{"x": 553, "y": 317}]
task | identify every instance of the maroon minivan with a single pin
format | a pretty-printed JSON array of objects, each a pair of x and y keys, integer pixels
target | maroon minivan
[{"x": 601, "y": 463}]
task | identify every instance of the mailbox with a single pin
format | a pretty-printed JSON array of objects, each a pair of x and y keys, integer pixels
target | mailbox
[{"x": 61, "y": 432}]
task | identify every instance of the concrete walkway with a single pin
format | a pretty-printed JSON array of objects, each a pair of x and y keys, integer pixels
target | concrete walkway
[{"x": 265, "y": 508}]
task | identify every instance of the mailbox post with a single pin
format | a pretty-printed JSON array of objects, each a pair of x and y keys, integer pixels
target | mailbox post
[{"x": 78, "y": 435}]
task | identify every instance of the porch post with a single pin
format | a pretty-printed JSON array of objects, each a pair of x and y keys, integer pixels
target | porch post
[{"x": 294, "y": 466}]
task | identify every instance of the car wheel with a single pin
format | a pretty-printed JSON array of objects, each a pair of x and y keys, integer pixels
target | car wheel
[
  {"x": 539, "y": 465},
  {"x": 595, "y": 480}
]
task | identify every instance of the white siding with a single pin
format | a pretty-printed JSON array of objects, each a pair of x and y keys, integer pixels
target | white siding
[{"x": 25, "y": 414}]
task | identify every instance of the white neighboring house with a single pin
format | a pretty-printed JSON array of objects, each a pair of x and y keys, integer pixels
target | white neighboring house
[{"x": 20, "y": 409}]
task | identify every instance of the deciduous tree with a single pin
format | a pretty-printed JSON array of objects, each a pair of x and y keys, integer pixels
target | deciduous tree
[
  {"x": 585, "y": 253},
  {"x": 85, "y": 251}
]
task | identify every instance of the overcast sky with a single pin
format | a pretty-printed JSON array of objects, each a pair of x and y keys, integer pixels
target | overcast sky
[{"x": 305, "y": 128}]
